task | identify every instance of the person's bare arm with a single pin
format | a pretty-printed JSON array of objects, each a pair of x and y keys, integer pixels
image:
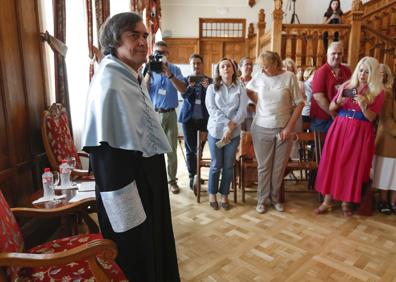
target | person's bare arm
[
  {"x": 178, "y": 84},
  {"x": 285, "y": 133},
  {"x": 252, "y": 96},
  {"x": 323, "y": 103},
  {"x": 362, "y": 101}
]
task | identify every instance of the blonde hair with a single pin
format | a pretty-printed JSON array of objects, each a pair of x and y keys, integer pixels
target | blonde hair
[
  {"x": 374, "y": 82},
  {"x": 288, "y": 63},
  {"x": 388, "y": 78},
  {"x": 308, "y": 72},
  {"x": 271, "y": 57}
]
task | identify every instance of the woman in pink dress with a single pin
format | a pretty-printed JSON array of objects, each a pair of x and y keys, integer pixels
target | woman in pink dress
[{"x": 349, "y": 147}]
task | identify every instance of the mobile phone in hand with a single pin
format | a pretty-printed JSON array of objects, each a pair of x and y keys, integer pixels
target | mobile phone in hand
[
  {"x": 349, "y": 93},
  {"x": 196, "y": 78}
]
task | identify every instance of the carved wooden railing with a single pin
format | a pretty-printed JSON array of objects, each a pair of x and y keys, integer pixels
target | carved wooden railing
[
  {"x": 369, "y": 30},
  {"x": 379, "y": 46},
  {"x": 304, "y": 42},
  {"x": 370, "y": 7}
]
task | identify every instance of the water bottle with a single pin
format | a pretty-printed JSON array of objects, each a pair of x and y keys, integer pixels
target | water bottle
[
  {"x": 48, "y": 180},
  {"x": 65, "y": 171}
]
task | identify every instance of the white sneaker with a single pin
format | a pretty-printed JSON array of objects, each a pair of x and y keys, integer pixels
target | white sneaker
[
  {"x": 260, "y": 208},
  {"x": 279, "y": 207}
]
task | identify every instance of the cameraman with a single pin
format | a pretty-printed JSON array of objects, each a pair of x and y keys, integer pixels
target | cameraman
[
  {"x": 194, "y": 115},
  {"x": 163, "y": 89}
]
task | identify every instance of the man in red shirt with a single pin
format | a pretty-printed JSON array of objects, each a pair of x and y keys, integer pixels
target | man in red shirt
[{"x": 325, "y": 84}]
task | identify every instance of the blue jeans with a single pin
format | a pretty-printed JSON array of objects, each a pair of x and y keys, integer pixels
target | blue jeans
[
  {"x": 321, "y": 125},
  {"x": 222, "y": 161}
]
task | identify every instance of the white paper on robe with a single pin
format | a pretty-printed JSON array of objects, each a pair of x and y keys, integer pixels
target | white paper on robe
[
  {"x": 82, "y": 196},
  {"x": 124, "y": 208}
]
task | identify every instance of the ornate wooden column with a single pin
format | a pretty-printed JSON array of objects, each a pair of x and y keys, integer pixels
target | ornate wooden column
[
  {"x": 354, "y": 36},
  {"x": 276, "y": 30},
  {"x": 260, "y": 31}
]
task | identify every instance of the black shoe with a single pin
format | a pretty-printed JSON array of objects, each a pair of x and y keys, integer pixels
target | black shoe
[
  {"x": 191, "y": 182},
  {"x": 384, "y": 208}
]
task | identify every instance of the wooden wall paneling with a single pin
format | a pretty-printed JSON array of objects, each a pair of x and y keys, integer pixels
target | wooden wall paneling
[
  {"x": 33, "y": 71},
  {"x": 8, "y": 65},
  {"x": 33, "y": 65},
  {"x": 212, "y": 52},
  {"x": 235, "y": 50},
  {"x": 5, "y": 161},
  {"x": 13, "y": 79},
  {"x": 21, "y": 100},
  {"x": 181, "y": 49}
]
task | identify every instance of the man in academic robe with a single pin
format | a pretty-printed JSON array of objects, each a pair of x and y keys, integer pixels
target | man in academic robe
[{"x": 126, "y": 143}]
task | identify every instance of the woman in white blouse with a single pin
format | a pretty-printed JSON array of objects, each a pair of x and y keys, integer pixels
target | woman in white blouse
[
  {"x": 279, "y": 105},
  {"x": 226, "y": 102}
]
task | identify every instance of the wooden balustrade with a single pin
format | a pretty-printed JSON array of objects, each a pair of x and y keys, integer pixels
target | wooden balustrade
[
  {"x": 304, "y": 42},
  {"x": 382, "y": 19},
  {"x": 379, "y": 46},
  {"x": 370, "y": 7},
  {"x": 363, "y": 34}
]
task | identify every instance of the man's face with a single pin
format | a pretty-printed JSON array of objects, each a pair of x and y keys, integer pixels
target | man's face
[
  {"x": 197, "y": 66},
  {"x": 132, "y": 48},
  {"x": 334, "y": 56}
]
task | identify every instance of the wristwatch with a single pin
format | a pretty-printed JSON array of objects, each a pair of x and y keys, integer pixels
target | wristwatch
[{"x": 171, "y": 76}]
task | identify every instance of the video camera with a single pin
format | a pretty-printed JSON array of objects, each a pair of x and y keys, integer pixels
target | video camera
[{"x": 155, "y": 61}]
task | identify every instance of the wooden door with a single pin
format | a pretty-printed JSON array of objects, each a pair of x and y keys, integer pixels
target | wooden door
[
  {"x": 22, "y": 99},
  {"x": 212, "y": 52}
]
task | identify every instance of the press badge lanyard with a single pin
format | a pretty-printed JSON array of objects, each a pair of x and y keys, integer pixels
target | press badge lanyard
[{"x": 162, "y": 89}]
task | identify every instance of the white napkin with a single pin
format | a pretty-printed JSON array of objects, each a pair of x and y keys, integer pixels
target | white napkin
[
  {"x": 66, "y": 188},
  {"x": 81, "y": 196},
  {"x": 48, "y": 199},
  {"x": 86, "y": 186}
]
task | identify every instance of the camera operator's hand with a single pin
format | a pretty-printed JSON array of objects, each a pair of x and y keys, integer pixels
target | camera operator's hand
[
  {"x": 165, "y": 69},
  {"x": 205, "y": 82},
  {"x": 190, "y": 82}
]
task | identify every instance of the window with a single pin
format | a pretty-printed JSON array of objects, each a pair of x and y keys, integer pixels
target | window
[{"x": 224, "y": 28}]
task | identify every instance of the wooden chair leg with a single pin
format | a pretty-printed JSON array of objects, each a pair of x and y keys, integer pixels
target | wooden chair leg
[
  {"x": 198, "y": 185},
  {"x": 282, "y": 192},
  {"x": 242, "y": 182},
  {"x": 234, "y": 186}
]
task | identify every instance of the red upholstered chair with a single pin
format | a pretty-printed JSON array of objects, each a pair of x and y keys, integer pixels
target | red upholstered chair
[
  {"x": 58, "y": 141},
  {"x": 86, "y": 257}
]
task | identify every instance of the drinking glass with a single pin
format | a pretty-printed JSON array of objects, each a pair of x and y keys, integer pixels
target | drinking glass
[
  {"x": 71, "y": 162},
  {"x": 54, "y": 184}
]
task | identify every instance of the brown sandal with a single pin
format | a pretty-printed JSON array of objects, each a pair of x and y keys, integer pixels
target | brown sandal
[
  {"x": 323, "y": 208},
  {"x": 346, "y": 209}
]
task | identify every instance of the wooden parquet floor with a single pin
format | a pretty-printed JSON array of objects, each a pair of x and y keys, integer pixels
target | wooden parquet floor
[{"x": 297, "y": 245}]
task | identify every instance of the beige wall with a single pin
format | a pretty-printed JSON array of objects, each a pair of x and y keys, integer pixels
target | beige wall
[{"x": 181, "y": 16}]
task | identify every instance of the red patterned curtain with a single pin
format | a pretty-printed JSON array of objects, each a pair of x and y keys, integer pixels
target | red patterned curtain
[
  {"x": 153, "y": 16},
  {"x": 102, "y": 12},
  {"x": 61, "y": 86}
]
